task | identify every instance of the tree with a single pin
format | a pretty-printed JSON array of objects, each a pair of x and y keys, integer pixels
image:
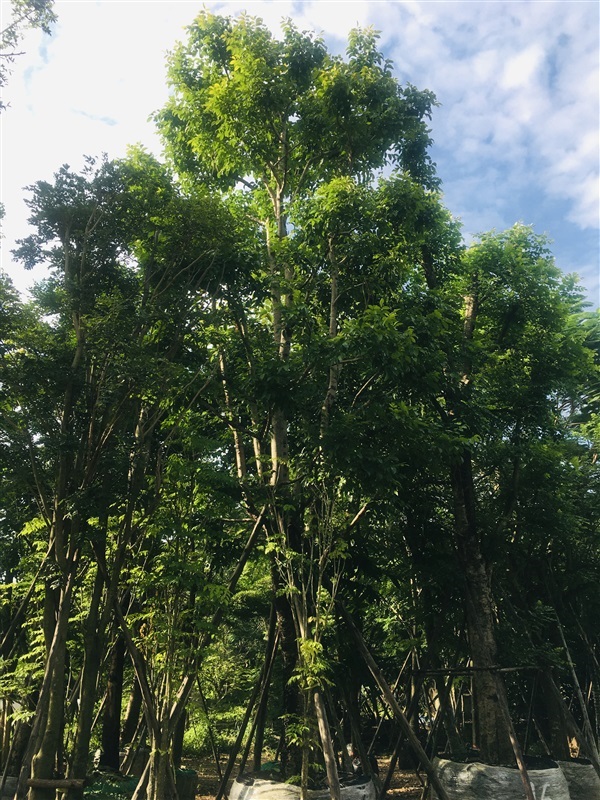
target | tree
[
  {"x": 295, "y": 135},
  {"x": 130, "y": 262},
  {"x": 516, "y": 357}
]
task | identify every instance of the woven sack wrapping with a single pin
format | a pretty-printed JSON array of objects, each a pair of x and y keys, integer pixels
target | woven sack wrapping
[
  {"x": 483, "y": 782},
  {"x": 582, "y": 780},
  {"x": 10, "y": 787},
  {"x": 261, "y": 789}
]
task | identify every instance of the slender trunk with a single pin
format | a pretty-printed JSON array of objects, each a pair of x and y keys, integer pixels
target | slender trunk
[
  {"x": 209, "y": 727},
  {"x": 40, "y": 757},
  {"x": 111, "y": 721},
  {"x": 5, "y": 732},
  {"x": 132, "y": 714},
  {"x": 87, "y": 690},
  {"x": 238, "y": 443},
  {"x": 290, "y": 754},
  {"x": 178, "y": 736},
  {"x": 327, "y": 745},
  {"x": 261, "y": 714},
  {"x": 272, "y": 644},
  {"x": 305, "y": 761},
  {"x": 16, "y": 756},
  {"x": 160, "y": 765},
  {"x": 339, "y": 732},
  {"x": 239, "y": 739}
]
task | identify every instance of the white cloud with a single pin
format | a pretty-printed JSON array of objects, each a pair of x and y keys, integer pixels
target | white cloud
[{"x": 523, "y": 68}]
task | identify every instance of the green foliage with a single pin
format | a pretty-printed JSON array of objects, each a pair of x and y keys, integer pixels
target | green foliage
[{"x": 284, "y": 114}]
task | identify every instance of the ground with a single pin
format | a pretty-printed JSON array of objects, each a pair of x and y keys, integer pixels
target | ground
[{"x": 405, "y": 785}]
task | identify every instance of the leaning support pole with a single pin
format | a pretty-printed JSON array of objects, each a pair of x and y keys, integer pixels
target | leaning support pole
[
  {"x": 209, "y": 729},
  {"x": 394, "y": 706},
  {"x": 587, "y": 725},
  {"x": 589, "y": 749},
  {"x": 238, "y": 742},
  {"x": 271, "y": 649},
  {"x": 261, "y": 713},
  {"x": 410, "y": 712},
  {"x": 500, "y": 688}
]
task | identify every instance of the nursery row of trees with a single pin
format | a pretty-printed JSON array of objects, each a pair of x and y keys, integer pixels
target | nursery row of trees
[{"x": 268, "y": 402}]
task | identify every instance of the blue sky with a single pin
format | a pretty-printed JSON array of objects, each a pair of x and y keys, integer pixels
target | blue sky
[{"x": 516, "y": 133}]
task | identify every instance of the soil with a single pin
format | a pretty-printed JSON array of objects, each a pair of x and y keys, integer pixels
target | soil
[{"x": 405, "y": 785}]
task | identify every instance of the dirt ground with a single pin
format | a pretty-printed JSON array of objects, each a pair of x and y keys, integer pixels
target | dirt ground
[{"x": 405, "y": 785}]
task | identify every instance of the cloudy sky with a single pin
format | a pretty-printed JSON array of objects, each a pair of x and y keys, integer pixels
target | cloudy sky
[{"x": 516, "y": 133}]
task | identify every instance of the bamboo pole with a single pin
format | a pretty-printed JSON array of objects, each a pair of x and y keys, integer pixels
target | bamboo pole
[{"x": 500, "y": 688}]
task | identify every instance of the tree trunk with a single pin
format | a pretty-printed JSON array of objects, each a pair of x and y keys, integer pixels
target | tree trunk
[
  {"x": 261, "y": 714},
  {"x": 494, "y": 735},
  {"x": 327, "y": 745},
  {"x": 178, "y": 740},
  {"x": 87, "y": 692},
  {"x": 291, "y": 756},
  {"x": 132, "y": 715},
  {"x": 160, "y": 765},
  {"x": 111, "y": 722},
  {"x": 40, "y": 758}
]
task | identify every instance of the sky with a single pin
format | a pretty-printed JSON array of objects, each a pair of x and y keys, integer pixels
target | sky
[{"x": 516, "y": 134}]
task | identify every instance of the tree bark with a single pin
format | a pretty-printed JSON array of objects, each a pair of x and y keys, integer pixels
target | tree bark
[{"x": 132, "y": 714}]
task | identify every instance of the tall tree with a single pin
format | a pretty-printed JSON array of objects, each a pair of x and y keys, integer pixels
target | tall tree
[
  {"x": 129, "y": 262},
  {"x": 292, "y": 133},
  {"x": 515, "y": 359}
]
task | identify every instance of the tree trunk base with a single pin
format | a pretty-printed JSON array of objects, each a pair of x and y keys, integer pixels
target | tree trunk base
[
  {"x": 187, "y": 782},
  {"x": 475, "y": 781}
]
